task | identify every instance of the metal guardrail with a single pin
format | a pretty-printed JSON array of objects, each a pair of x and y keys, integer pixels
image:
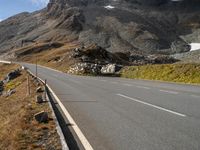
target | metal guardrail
[
  {"x": 5, "y": 62},
  {"x": 59, "y": 130},
  {"x": 76, "y": 129}
]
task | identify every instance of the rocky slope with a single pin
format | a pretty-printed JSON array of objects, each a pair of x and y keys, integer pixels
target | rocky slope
[
  {"x": 136, "y": 26},
  {"x": 188, "y": 57}
]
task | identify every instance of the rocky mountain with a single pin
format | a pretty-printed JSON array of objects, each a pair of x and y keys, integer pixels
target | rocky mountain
[{"x": 136, "y": 26}]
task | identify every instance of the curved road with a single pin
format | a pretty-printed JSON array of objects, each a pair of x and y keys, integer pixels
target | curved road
[{"x": 123, "y": 114}]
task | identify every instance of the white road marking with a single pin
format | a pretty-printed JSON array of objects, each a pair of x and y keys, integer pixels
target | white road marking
[
  {"x": 143, "y": 87},
  {"x": 5, "y": 62},
  {"x": 158, "y": 107},
  {"x": 195, "y": 96},
  {"x": 61, "y": 134},
  {"x": 103, "y": 80},
  {"x": 114, "y": 82},
  {"x": 171, "y": 92},
  {"x": 127, "y": 84},
  {"x": 77, "y": 130},
  {"x": 75, "y": 127}
]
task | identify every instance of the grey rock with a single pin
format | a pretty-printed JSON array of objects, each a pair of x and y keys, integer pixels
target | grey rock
[
  {"x": 39, "y": 90},
  {"x": 39, "y": 99},
  {"x": 12, "y": 75},
  {"x": 180, "y": 46},
  {"x": 85, "y": 58},
  {"x": 188, "y": 57},
  {"x": 41, "y": 117},
  {"x": 136, "y": 57},
  {"x": 108, "y": 69},
  {"x": 85, "y": 68},
  {"x": 76, "y": 53},
  {"x": 9, "y": 92}
]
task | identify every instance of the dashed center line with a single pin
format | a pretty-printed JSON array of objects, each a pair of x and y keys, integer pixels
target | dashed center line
[
  {"x": 195, "y": 96},
  {"x": 127, "y": 84},
  {"x": 103, "y": 80},
  {"x": 151, "y": 105},
  {"x": 143, "y": 87},
  {"x": 170, "y": 92},
  {"x": 114, "y": 82}
]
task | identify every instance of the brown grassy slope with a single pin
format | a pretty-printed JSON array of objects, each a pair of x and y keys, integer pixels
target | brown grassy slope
[
  {"x": 57, "y": 58},
  {"x": 18, "y": 130},
  {"x": 184, "y": 73},
  {"x": 62, "y": 58},
  {"x": 5, "y": 68}
]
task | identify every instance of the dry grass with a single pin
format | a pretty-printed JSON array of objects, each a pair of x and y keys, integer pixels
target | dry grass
[
  {"x": 49, "y": 57},
  {"x": 18, "y": 129},
  {"x": 179, "y": 72},
  {"x": 183, "y": 73},
  {"x": 5, "y": 68}
]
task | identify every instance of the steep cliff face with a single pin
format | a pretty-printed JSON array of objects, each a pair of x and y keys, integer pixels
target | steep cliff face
[{"x": 153, "y": 26}]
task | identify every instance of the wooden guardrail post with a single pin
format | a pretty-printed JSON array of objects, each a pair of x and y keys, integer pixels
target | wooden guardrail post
[
  {"x": 28, "y": 86},
  {"x": 45, "y": 89}
]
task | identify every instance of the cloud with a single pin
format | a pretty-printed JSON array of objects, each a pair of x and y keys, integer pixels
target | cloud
[
  {"x": 0, "y": 20},
  {"x": 40, "y": 2}
]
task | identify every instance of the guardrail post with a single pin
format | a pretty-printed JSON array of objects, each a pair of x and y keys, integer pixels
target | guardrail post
[
  {"x": 36, "y": 68},
  {"x": 45, "y": 89},
  {"x": 28, "y": 86}
]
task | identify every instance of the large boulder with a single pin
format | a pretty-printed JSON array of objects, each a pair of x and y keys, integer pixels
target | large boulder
[
  {"x": 39, "y": 99},
  {"x": 12, "y": 75},
  {"x": 42, "y": 117},
  {"x": 85, "y": 68},
  {"x": 109, "y": 69},
  {"x": 39, "y": 90},
  {"x": 180, "y": 46},
  {"x": 10, "y": 92}
]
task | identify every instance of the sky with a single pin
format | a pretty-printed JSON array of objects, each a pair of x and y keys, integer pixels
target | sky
[{"x": 9, "y": 8}]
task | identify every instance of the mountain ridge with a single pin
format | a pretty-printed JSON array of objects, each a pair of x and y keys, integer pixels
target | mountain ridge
[{"x": 164, "y": 27}]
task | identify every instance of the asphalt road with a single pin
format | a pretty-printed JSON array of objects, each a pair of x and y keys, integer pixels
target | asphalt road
[{"x": 123, "y": 114}]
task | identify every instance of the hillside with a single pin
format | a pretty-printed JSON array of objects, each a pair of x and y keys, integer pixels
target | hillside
[
  {"x": 182, "y": 73},
  {"x": 135, "y": 26},
  {"x": 189, "y": 57},
  {"x": 18, "y": 127}
]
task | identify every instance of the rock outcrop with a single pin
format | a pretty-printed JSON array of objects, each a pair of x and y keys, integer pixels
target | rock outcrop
[
  {"x": 12, "y": 75},
  {"x": 108, "y": 69},
  {"x": 41, "y": 117},
  {"x": 96, "y": 60}
]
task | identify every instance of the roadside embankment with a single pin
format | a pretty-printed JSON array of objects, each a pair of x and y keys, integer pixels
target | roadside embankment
[
  {"x": 19, "y": 125},
  {"x": 183, "y": 73}
]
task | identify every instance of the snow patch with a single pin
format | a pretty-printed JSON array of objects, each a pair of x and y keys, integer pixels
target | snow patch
[
  {"x": 109, "y": 7},
  {"x": 195, "y": 46}
]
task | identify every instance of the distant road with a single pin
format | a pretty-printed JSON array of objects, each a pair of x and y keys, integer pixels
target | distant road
[{"x": 123, "y": 114}]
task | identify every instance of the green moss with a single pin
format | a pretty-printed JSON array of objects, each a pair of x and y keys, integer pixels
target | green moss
[
  {"x": 185, "y": 73},
  {"x": 12, "y": 85}
]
